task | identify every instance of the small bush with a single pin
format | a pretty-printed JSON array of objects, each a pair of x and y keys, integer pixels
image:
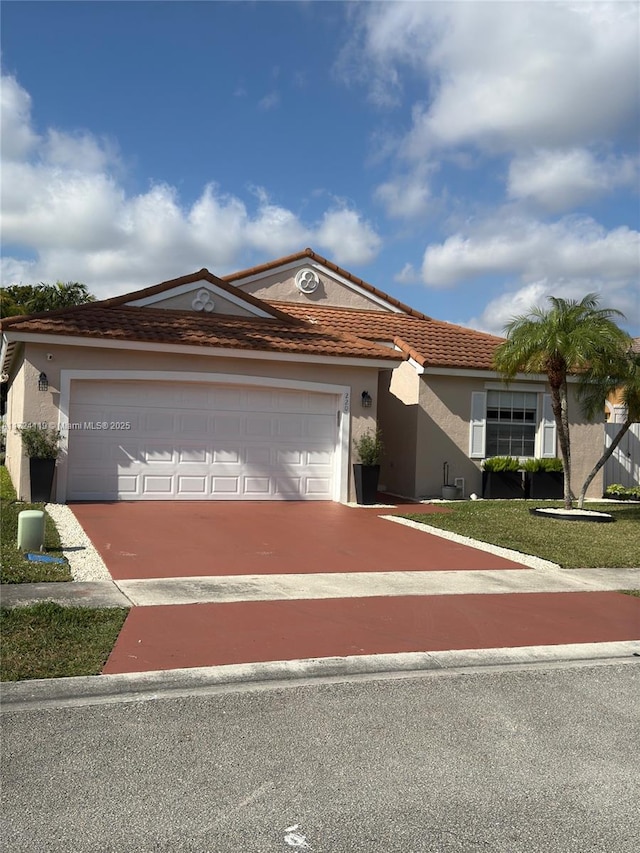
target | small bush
[
  {"x": 533, "y": 466},
  {"x": 369, "y": 447},
  {"x": 619, "y": 492},
  {"x": 501, "y": 463},
  {"x": 40, "y": 442}
]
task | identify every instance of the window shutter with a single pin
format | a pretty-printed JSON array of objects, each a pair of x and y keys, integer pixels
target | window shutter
[
  {"x": 548, "y": 428},
  {"x": 477, "y": 426}
]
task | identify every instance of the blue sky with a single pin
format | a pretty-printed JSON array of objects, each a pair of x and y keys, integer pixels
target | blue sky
[{"x": 468, "y": 158}]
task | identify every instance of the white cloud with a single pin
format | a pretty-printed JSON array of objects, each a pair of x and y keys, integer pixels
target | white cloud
[
  {"x": 349, "y": 238},
  {"x": 570, "y": 248},
  {"x": 63, "y": 204},
  {"x": 560, "y": 180},
  {"x": 499, "y": 311},
  {"x": 18, "y": 138},
  {"x": 269, "y": 102},
  {"x": 407, "y": 275},
  {"x": 504, "y": 75},
  {"x": 405, "y": 197}
]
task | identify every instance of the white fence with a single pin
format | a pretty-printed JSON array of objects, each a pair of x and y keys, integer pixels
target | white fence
[{"x": 623, "y": 466}]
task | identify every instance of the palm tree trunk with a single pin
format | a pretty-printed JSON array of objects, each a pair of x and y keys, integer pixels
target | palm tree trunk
[
  {"x": 561, "y": 416},
  {"x": 616, "y": 441}
]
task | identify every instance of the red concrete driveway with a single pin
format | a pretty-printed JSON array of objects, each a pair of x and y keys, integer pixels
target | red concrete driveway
[
  {"x": 170, "y": 637},
  {"x": 180, "y": 539}
]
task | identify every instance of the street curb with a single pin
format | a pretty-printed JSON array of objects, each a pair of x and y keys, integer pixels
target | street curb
[{"x": 146, "y": 686}]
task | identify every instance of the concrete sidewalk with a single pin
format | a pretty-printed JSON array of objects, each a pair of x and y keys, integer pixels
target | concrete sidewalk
[{"x": 202, "y": 590}]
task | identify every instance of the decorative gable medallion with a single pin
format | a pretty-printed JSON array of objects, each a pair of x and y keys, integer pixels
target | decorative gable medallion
[
  {"x": 203, "y": 302},
  {"x": 307, "y": 280}
]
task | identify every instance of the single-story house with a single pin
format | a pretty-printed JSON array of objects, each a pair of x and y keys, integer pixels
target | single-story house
[{"x": 254, "y": 386}]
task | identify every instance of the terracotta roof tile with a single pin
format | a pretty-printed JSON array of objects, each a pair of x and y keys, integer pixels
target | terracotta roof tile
[
  {"x": 429, "y": 342},
  {"x": 127, "y": 323},
  {"x": 201, "y": 275}
]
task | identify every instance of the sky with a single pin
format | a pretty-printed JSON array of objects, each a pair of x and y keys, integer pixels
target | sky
[{"x": 468, "y": 158}]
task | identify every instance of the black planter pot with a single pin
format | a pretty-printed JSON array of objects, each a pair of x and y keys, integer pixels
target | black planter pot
[
  {"x": 502, "y": 484},
  {"x": 541, "y": 485},
  {"x": 366, "y": 479},
  {"x": 41, "y": 473}
]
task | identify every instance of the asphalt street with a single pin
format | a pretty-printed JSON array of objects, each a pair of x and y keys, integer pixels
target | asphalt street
[{"x": 537, "y": 759}]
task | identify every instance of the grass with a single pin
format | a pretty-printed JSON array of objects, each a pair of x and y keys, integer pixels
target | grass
[
  {"x": 635, "y": 592},
  {"x": 14, "y": 567},
  {"x": 46, "y": 640},
  {"x": 571, "y": 544}
]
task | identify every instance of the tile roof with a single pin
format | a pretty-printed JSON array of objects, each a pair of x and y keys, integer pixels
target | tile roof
[
  {"x": 309, "y": 253},
  {"x": 429, "y": 342},
  {"x": 103, "y": 321},
  {"x": 191, "y": 278}
]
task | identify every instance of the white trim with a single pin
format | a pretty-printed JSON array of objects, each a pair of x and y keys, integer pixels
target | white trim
[
  {"x": 492, "y": 374},
  {"x": 341, "y": 460},
  {"x": 219, "y": 352},
  {"x": 202, "y": 284},
  {"x": 528, "y": 389},
  {"x": 311, "y": 262},
  {"x": 3, "y": 350}
]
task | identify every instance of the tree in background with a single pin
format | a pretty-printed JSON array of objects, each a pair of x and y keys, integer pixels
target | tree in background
[
  {"x": 35, "y": 298},
  {"x": 622, "y": 376},
  {"x": 568, "y": 337}
]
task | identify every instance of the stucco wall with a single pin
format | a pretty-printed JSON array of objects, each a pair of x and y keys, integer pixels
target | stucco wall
[
  {"x": 281, "y": 286},
  {"x": 443, "y": 436},
  {"x": 42, "y": 407},
  {"x": 184, "y": 302},
  {"x": 398, "y": 418},
  {"x": 15, "y": 415}
]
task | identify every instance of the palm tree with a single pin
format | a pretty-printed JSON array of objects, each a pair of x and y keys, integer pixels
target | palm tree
[
  {"x": 568, "y": 337},
  {"x": 622, "y": 376},
  {"x": 34, "y": 298}
]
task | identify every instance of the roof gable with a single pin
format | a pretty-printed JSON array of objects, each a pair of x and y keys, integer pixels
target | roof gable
[
  {"x": 308, "y": 278},
  {"x": 201, "y": 291}
]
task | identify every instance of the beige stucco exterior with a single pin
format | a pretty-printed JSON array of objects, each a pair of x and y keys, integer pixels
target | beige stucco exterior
[
  {"x": 27, "y": 404},
  {"x": 425, "y": 421},
  {"x": 281, "y": 286}
]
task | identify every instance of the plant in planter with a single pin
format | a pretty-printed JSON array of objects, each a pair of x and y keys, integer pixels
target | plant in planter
[
  {"x": 543, "y": 479},
  {"x": 619, "y": 492},
  {"x": 502, "y": 478},
  {"x": 42, "y": 446},
  {"x": 366, "y": 473}
]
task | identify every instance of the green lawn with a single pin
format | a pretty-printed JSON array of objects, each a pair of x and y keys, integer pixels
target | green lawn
[
  {"x": 49, "y": 641},
  {"x": 14, "y": 567},
  {"x": 571, "y": 544}
]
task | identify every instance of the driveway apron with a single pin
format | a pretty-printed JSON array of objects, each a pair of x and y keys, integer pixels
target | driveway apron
[{"x": 150, "y": 540}]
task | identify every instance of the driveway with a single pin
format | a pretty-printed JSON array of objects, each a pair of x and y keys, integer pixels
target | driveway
[{"x": 183, "y": 539}]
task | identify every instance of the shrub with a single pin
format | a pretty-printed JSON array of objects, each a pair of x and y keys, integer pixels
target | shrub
[
  {"x": 620, "y": 493},
  {"x": 501, "y": 463},
  {"x": 533, "y": 466},
  {"x": 40, "y": 442},
  {"x": 369, "y": 447}
]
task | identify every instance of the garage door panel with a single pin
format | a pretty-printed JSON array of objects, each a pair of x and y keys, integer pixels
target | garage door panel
[
  {"x": 225, "y": 486},
  {"x": 179, "y": 447},
  {"x": 194, "y": 486},
  {"x": 317, "y": 485}
]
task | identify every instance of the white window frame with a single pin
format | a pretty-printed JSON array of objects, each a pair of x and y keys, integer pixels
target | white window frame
[{"x": 546, "y": 438}]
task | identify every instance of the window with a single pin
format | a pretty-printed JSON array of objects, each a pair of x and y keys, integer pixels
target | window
[
  {"x": 516, "y": 422},
  {"x": 512, "y": 418}
]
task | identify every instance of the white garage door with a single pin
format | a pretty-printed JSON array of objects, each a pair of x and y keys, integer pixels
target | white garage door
[{"x": 190, "y": 441}]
